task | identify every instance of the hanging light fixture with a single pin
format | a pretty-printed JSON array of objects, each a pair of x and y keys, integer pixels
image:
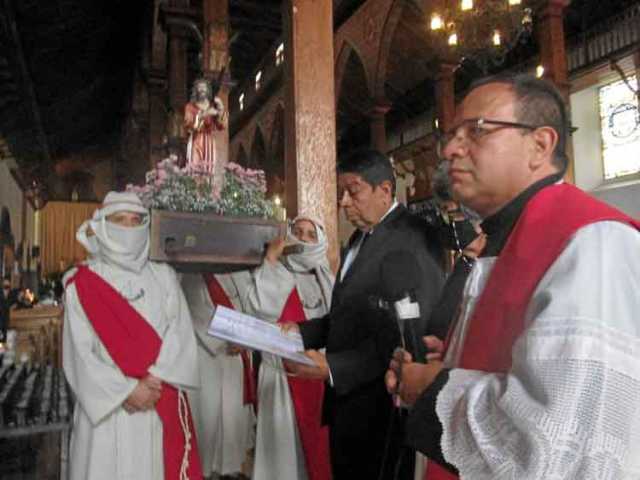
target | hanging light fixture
[
  {"x": 483, "y": 31},
  {"x": 496, "y": 38},
  {"x": 436, "y": 22}
]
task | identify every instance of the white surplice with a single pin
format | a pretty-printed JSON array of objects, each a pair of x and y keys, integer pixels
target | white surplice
[
  {"x": 223, "y": 423},
  {"x": 108, "y": 443},
  {"x": 279, "y": 454},
  {"x": 569, "y": 408}
]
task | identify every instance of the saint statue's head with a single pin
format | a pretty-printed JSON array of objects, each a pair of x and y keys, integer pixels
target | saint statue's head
[{"x": 201, "y": 90}]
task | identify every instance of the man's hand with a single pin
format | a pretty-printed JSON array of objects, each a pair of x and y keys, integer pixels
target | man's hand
[
  {"x": 144, "y": 396},
  {"x": 435, "y": 347},
  {"x": 320, "y": 371},
  {"x": 394, "y": 374},
  {"x": 415, "y": 378},
  {"x": 154, "y": 383},
  {"x": 274, "y": 249}
]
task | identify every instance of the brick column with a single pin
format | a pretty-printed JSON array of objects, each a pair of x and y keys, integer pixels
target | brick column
[
  {"x": 179, "y": 22},
  {"x": 553, "y": 57},
  {"x": 177, "y": 64},
  {"x": 310, "y": 117},
  {"x": 445, "y": 95}
]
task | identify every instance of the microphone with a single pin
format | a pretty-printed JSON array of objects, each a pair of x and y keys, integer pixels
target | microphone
[{"x": 400, "y": 278}]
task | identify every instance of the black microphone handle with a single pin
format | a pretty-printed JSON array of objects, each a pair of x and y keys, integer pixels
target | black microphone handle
[{"x": 414, "y": 345}]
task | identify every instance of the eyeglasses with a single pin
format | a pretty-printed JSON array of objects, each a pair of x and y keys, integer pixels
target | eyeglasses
[{"x": 473, "y": 129}]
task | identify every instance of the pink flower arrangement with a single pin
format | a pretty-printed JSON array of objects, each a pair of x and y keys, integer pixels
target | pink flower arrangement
[{"x": 192, "y": 189}]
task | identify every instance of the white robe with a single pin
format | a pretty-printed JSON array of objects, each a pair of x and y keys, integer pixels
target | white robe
[
  {"x": 569, "y": 408},
  {"x": 108, "y": 443},
  {"x": 279, "y": 454},
  {"x": 223, "y": 423}
]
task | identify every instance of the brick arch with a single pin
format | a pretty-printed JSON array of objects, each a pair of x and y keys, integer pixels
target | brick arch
[
  {"x": 388, "y": 32},
  {"x": 274, "y": 166},
  {"x": 346, "y": 49},
  {"x": 277, "y": 131},
  {"x": 258, "y": 152},
  {"x": 241, "y": 157}
]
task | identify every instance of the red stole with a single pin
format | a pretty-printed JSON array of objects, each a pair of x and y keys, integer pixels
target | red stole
[
  {"x": 134, "y": 346},
  {"x": 219, "y": 297},
  {"x": 547, "y": 224},
  {"x": 306, "y": 396}
]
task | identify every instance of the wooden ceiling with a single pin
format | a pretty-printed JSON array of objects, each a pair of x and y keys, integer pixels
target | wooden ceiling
[{"x": 65, "y": 75}]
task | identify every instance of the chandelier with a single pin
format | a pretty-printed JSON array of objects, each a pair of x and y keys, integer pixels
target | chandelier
[{"x": 482, "y": 31}]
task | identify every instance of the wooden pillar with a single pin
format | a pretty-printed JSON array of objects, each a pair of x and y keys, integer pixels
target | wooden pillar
[
  {"x": 310, "y": 116},
  {"x": 553, "y": 54},
  {"x": 177, "y": 65},
  {"x": 215, "y": 59},
  {"x": 445, "y": 95},
  {"x": 553, "y": 58},
  {"x": 377, "y": 125},
  {"x": 156, "y": 77}
]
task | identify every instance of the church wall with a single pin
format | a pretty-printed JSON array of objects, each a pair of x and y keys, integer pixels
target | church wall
[{"x": 11, "y": 197}]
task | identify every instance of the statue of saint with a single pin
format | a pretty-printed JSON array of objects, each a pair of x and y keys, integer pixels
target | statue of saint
[{"x": 203, "y": 115}]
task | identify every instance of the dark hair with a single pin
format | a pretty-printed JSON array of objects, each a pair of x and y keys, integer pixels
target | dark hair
[
  {"x": 539, "y": 103},
  {"x": 373, "y": 166}
]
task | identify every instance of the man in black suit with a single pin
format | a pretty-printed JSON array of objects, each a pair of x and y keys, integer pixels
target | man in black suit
[{"x": 358, "y": 336}]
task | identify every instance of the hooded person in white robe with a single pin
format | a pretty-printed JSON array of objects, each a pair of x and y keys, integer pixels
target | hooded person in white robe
[
  {"x": 223, "y": 419},
  {"x": 283, "y": 452},
  {"x": 117, "y": 433}
]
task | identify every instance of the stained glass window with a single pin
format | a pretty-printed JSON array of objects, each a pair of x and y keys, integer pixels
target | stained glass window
[{"x": 620, "y": 127}]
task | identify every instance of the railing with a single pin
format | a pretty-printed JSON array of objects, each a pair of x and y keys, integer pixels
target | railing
[{"x": 605, "y": 39}]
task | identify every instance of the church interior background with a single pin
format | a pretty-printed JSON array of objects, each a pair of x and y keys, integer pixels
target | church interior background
[{"x": 92, "y": 94}]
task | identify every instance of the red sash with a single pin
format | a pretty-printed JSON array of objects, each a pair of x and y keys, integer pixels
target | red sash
[
  {"x": 547, "y": 224},
  {"x": 134, "y": 346},
  {"x": 219, "y": 297},
  {"x": 306, "y": 396}
]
